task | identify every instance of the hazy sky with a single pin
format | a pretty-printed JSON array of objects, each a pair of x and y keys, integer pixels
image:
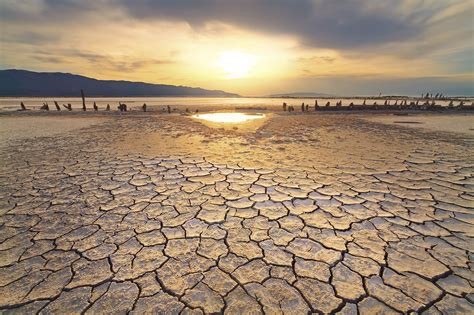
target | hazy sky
[{"x": 251, "y": 47}]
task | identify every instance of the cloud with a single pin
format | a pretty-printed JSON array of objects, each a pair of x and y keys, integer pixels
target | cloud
[
  {"x": 370, "y": 85},
  {"x": 119, "y": 64},
  {"x": 30, "y": 37},
  {"x": 44, "y": 10},
  {"x": 48, "y": 59},
  {"x": 316, "y": 59},
  {"x": 318, "y": 23},
  {"x": 341, "y": 24}
]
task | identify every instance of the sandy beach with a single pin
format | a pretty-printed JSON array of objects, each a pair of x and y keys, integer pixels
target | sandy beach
[{"x": 166, "y": 213}]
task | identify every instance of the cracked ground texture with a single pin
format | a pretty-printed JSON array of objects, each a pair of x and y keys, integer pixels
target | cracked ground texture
[{"x": 302, "y": 214}]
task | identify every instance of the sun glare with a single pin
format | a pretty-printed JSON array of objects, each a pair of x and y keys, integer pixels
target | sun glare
[
  {"x": 236, "y": 64},
  {"x": 229, "y": 117}
]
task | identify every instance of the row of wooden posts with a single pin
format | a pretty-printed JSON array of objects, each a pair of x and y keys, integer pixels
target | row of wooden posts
[
  {"x": 121, "y": 107},
  {"x": 426, "y": 105}
]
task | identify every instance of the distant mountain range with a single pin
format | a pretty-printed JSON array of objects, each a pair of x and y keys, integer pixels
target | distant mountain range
[
  {"x": 301, "y": 94},
  {"x": 28, "y": 83}
]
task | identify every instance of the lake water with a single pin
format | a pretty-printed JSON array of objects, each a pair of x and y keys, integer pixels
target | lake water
[
  {"x": 228, "y": 117},
  {"x": 204, "y": 103}
]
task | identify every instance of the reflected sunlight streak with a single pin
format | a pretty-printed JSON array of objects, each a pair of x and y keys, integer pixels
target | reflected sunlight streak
[{"x": 228, "y": 117}]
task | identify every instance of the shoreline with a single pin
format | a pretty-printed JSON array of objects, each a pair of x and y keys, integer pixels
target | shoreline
[
  {"x": 457, "y": 123},
  {"x": 206, "y": 104},
  {"x": 192, "y": 110}
]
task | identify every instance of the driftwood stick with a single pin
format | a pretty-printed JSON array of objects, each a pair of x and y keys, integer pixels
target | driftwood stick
[{"x": 83, "y": 100}]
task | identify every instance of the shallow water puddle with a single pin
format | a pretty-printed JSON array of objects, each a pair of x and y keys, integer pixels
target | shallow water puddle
[{"x": 228, "y": 117}]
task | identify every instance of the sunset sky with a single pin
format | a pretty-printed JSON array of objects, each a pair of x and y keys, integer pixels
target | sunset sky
[{"x": 250, "y": 47}]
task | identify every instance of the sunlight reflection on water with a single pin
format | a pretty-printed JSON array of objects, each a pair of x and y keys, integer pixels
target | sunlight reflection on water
[{"x": 228, "y": 117}]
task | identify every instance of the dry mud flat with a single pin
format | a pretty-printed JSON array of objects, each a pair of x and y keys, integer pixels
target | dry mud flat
[{"x": 162, "y": 214}]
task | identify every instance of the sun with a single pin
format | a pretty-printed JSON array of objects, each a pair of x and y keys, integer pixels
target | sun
[{"x": 236, "y": 64}]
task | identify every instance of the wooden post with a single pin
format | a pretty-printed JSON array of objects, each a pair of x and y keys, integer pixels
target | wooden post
[{"x": 83, "y": 100}]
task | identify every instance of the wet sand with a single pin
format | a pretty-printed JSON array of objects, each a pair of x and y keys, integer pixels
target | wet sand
[
  {"x": 295, "y": 214},
  {"x": 458, "y": 123},
  {"x": 21, "y": 127}
]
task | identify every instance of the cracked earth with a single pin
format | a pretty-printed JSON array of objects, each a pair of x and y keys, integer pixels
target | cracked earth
[{"x": 302, "y": 214}]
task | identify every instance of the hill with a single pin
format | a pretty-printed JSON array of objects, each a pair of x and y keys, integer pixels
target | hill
[{"x": 27, "y": 83}]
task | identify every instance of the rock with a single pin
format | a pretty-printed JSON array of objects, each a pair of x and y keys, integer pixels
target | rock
[
  {"x": 100, "y": 252},
  {"x": 250, "y": 250},
  {"x": 179, "y": 247},
  {"x": 173, "y": 233},
  {"x": 176, "y": 276},
  {"x": 19, "y": 270},
  {"x": 230, "y": 262},
  {"x": 348, "y": 309},
  {"x": 280, "y": 236},
  {"x": 270, "y": 209},
  {"x": 15, "y": 292},
  {"x": 212, "y": 216},
  {"x": 239, "y": 302},
  {"x": 413, "y": 286},
  {"x": 285, "y": 273},
  {"x": 254, "y": 271},
  {"x": 449, "y": 255},
  {"x": 119, "y": 299},
  {"x": 328, "y": 238},
  {"x": 312, "y": 269},
  {"x": 151, "y": 238},
  {"x": 455, "y": 285},
  {"x": 38, "y": 248},
  {"x": 89, "y": 272},
  {"x": 300, "y": 206},
  {"x": 275, "y": 254},
  {"x": 364, "y": 266},
  {"x": 321, "y": 295},
  {"x": 203, "y": 297},
  {"x": 347, "y": 283},
  {"x": 147, "y": 259},
  {"x": 213, "y": 231},
  {"x": 370, "y": 306},
  {"x": 70, "y": 302},
  {"x": 195, "y": 227},
  {"x": 392, "y": 297},
  {"x": 148, "y": 284},
  {"x": 159, "y": 303},
  {"x": 219, "y": 281},
  {"x": 30, "y": 308},
  {"x": 429, "y": 268},
  {"x": 291, "y": 223},
  {"x": 309, "y": 249},
  {"x": 241, "y": 203},
  {"x": 277, "y": 296},
  {"x": 51, "y": 286},
  {"x": 98, "y": 291},
  {"x": 212, "y": 249},
  {"x": 454, "y": 305}
]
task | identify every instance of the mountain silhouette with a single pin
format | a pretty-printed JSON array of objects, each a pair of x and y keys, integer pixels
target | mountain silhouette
[{"x": 28, "y": 83}]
